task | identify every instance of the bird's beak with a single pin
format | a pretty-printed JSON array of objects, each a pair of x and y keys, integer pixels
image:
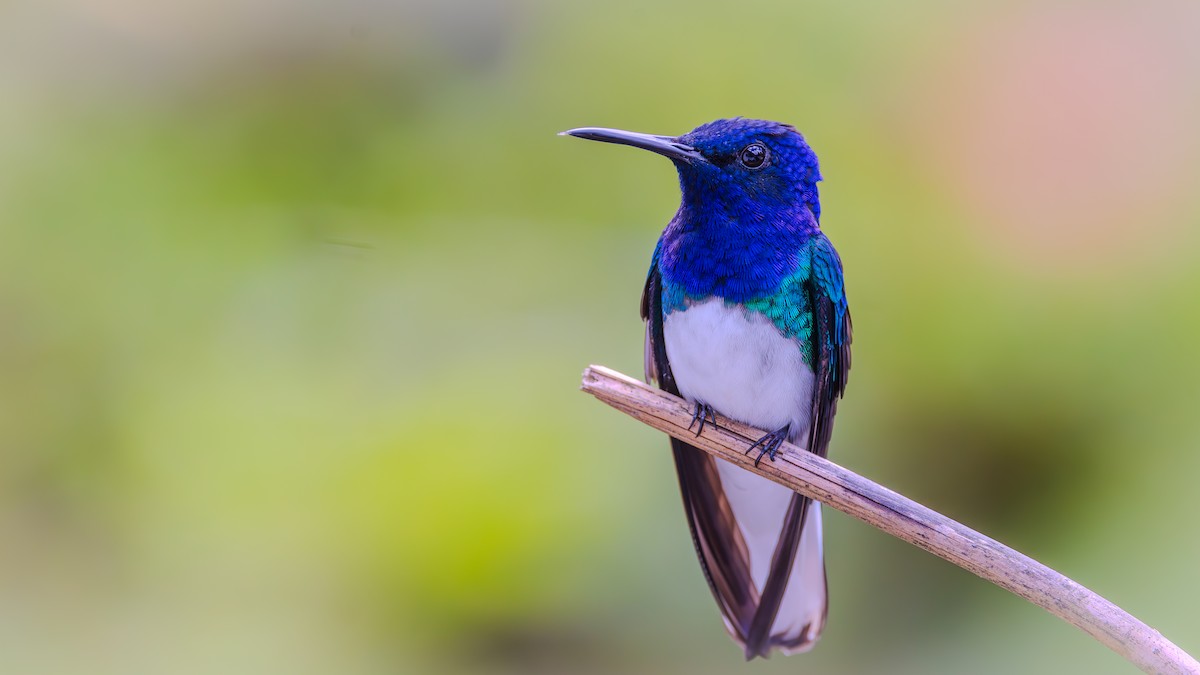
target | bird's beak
[{"x": 667, "y": 146}]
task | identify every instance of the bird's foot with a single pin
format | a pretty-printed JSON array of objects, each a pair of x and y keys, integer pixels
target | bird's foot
[
  {"x": 701, "y": 413},
  {"x": 769, "y": 444}
]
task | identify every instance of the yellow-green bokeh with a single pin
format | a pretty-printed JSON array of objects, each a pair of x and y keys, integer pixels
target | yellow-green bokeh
[{"x": 294, "y": 298}]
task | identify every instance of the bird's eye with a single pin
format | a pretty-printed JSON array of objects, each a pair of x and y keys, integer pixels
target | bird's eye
[{"x": 754, "y": 156}]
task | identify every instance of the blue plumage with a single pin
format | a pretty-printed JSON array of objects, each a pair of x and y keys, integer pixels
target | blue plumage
[
  {"x": 740, "y": 232},
  {"x": 746, "y": 313}
]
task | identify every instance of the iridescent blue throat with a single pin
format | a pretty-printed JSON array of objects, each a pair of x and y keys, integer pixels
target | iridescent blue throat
[{"x": 786, "y": 303}]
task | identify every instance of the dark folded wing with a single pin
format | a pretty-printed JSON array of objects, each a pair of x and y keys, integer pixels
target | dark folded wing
[
  {"x": 831, "y": 341},
  {"x": 831, "y": 363},
  {"x": 715, "y": 533}
]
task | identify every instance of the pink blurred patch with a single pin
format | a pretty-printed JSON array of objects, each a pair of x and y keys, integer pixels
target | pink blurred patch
[{"x": 1069, "y": 134}]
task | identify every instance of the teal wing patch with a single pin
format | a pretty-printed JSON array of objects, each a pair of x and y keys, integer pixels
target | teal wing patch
[{"x": 790, "y": 309}]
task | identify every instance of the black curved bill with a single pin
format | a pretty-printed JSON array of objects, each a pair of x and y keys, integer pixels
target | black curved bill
[{"x": 667, "y": 146}]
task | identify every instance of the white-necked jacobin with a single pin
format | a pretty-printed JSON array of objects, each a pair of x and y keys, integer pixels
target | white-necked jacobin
[{"x": 746, "y": 315}]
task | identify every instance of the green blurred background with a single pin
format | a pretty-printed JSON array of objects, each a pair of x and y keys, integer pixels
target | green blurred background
[{"x": 295, "y": 295}]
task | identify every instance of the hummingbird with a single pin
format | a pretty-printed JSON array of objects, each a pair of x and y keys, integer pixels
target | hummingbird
[{"x": 746, "y": 315}]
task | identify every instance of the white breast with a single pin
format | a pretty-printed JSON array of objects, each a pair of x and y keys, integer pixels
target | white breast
[{"x": 739, "y": 363}]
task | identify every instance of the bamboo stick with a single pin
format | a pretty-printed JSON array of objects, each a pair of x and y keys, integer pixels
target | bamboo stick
[{"x": 903, "y": 518}]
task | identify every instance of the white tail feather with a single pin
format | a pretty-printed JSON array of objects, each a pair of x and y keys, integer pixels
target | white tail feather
[
  {"x": 805, "y": 601},
  {"x": 759, "y": 506}
]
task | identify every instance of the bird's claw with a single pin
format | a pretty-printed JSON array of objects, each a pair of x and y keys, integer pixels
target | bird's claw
[
  {"x": 769, "y": 444},
  {"x": 700, "y": 414}
]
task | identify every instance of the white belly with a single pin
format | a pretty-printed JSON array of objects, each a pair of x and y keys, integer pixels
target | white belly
[{"x": 740, "y": 364}]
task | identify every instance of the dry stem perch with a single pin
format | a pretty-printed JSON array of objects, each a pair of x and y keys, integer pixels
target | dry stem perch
[{"x": 903, "y": 518}]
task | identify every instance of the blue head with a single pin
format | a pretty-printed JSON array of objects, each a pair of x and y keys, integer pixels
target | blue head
[
  {"x": 742, "y": 168},
  {"x": 749, "y": 203},
  {"x": 753, "y": 165}
]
